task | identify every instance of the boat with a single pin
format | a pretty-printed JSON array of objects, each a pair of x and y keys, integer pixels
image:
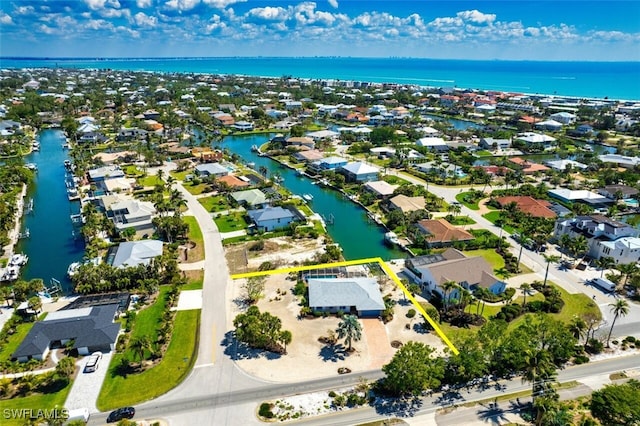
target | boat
[
  {"x": 31, "y": 166},
  {"x": 254, "y": 148},
  {"x": 35, "y": 146},
  {"x": 300, "y": 172},
  {"x": 391, "y": 238},
  {"x": 73, "y": 269},
  {"x": 67, "y": 164},
  {"x": 11, "y": 273},
  {"x": 251, "y": 164},
  {"x": 18, "y": 259},
  {"x": 307, "y": 197}
]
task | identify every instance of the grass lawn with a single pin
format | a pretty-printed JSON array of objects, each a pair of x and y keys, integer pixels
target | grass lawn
[
  {"x": 47, "y": 401},
  {"x": 484, "y": 153},
  {"x": 149, "y": 181},
  {"x": 495, "y": 260},
  {"x": 215, "y": 204},
  {"x": 181, "y": 175},
  {"x": 195, "y": 234},
  {"x": 132, "y": 170},
  {"x": 147, "y": 320},
  {"x": 119, "y": 391},
  {"x": 575, "y": 304},
  {"x": 462, "y": 220},
  {"x": 195, "y": 281},
  {"x": 462, "y": 199},
  {"x": 494, "y": 216},
  {"x": 232, "y": 222},
  {"x": 197, "y": 189},
  {"x": 14, "y": 340}
]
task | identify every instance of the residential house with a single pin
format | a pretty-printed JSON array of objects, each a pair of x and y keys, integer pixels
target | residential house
[
  {"x": 550, "y": 125},
  {"x": 492, "y": 144},
  {"x": 606, "y": 237},
  {"x": 358, "y": 295},
  {"x": 331, "y": 163},
  {"x": 271, "y": 218},
  {"x": 207, "y": 155},
  {"x": 300, "y": 141},
  {"x": 323, "y": 135},
  {"x": 359, "y": 172},
  {"x": 126, "y": 212},
  {"x": 536, "y": 140},
  {"x": 620, "y": 160},
  {"x": 308, "y": 156},
  {"x": 211, "y": 169},
  {"x": 590, "y": 198},
  {"x": 615, "y": 192},
  {"x": 433, "y": 143},
  {"x": 134, "y": 253},
  {"x": 243, "y": 126},
  {"x": 406, "y": 204},
  {"x": 380, "y": 188},
  {"x": 564, "y": 117},
  {"x": 471, "y": 273},
  {"x": 527, "y": 167},
  {"x": 86, "y": 329},
  {"x": 252, "y": 198},
  {"x": 234, "y": 181},
  {"x": 441, "y": 233},
  {"x": 563, "y": 165},
  {"x": 528, "y": 205},
  {"x": 101, "y": 174}
]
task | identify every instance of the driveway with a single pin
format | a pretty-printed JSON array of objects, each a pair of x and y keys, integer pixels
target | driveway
[
  {"x": 86, "y": 387},
  {"x": 380, "y": 347}
]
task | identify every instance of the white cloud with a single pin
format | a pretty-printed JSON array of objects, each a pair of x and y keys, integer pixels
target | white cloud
[
  {"x": 24, "y": 10},
  {"x": 215, "y": 24},
  {"x": 476, "y": 16},
  {"x": 95, "y": 4},
  {"x": 334, "y": 3},
  {"x": 269, "y": 13},
  {"x": 5, "y": 19},
  {"x": 182, "y": 4},
  {"x": 143, "y": 4},
  {"x": 221, "y": 4},
  {"x": 145, "y": 20}
]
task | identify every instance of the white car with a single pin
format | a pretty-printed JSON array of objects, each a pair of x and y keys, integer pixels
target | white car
[{"x": 93, "y": 362}]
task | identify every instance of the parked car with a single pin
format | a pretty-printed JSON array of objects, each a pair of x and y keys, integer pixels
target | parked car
[
  {"x": 121, "y": 413},
  {"x": 93, "y": 362}
]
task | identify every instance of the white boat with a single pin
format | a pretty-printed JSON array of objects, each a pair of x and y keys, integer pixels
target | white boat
[
  {"x": 254, "y": 148},
  {"x": 31, "y": 166},
  {"x": 18, "y": 259},
  {"x": 36, "y": 146},
  {"x": 73, "y": 268},
  {"x": 251, "y": 164},
  {"x": 307, "y": 197},
  {"x": 11, "y": 273},
  {"x": 391, "y": 238}
]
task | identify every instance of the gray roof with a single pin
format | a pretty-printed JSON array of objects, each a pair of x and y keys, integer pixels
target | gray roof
[
  {"x": 212, "y": 168},
  {"x": 363, "y": 293},
  {"x": 270, "y": 213},
  {"x": 251, "y": 196},
  {"x": 87, "y": 329},
  {"x": 360, "y": 168},
  {"x": 133, "y": 253},
  {"x": 105, "y": 172}
]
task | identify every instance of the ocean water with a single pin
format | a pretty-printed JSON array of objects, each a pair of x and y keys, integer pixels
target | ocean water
[{"x": 613, "y": 80}]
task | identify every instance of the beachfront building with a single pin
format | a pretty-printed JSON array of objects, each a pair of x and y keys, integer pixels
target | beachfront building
[
  {"x": 360, "y": 296},
  {"x": 470, "y": 273},
  {"x": 87, "y": 330},
  {"x": 606, "y": 237}
]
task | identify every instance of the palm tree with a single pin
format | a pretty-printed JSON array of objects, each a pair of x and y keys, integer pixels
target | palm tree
[
  {"x": 349, "y": 329},
  {"x": 160, "y": 175},
  {"x": 578, "y": 327},
  {"x": 605, "y": 263},
  {"x": 628, "y": 270},
  {"x": 619, "y": 308},
  {"x": 526, "y": 289},
  {"x": 580, "y": 246},
  {"x": 552, "y": 258},
  {"x": 565, "y": 242},
  {"x": 36, "y": 304},
  {"x": 285, "y": 338},
  {"x": 139, "y": 346},
  {"x": 447, "y": 287},
  {"x": 539, "y": 370}
]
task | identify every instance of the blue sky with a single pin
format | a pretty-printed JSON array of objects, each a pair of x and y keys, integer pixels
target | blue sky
[{"x": 507, "y": 29}]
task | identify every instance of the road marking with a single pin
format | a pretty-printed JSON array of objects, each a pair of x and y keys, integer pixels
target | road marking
[
  {"x": 204, "y": 365},
  {"x": 384, "y": 267}
]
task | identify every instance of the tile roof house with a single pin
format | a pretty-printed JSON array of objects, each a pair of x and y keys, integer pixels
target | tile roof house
[
  {"x": 432, "y": 271},
  {"x": 528, "y": 168},
  {"x": 406, "y": 204},
  {"x": 529, "y": 205},
  {"x": 134, "y": 253},
  {"x": 440, "y": 233},
  {"x": 271, "y": 218},
  {"x": 350, "y": 295},
  {"x": 90, "y": 329},
  {"x": 233, "y": 181}
]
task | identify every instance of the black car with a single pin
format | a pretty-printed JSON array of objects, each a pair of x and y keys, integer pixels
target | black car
[{"x": 121, "y": 413}]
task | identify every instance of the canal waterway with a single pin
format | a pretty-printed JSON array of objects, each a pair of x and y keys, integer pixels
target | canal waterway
[
  {"x": 358, "y": 237},
  {"x": 52, "y": 245}
]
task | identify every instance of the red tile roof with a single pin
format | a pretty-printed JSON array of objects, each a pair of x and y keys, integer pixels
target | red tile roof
[{"x": 529, "y": 205}]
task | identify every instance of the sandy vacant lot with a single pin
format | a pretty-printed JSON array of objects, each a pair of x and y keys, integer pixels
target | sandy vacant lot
[
  {"x": 307, "y": 358},
  {"x": 280, "y": 251}
]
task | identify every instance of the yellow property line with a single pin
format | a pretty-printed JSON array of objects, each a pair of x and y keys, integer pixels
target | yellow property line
[{"x": 384, "y": 267}]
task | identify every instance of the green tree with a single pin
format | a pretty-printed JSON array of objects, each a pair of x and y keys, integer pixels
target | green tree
[
  {"x": 549, "y": 258},
  {"x": 526, "y": 290},
  {"x": 605, "y": 262},
  {"x": 139, "y": 346},
  {"x": 65, "y": 367},
  {"x": 259, "y": 330},
  {"x": 620, "y": 308},
  {"x": 285, "y": 338},
  {"x": 36, "y": 304},
  {"x": 350, "y": 330},
  {"x": 254, "y": 288},
  {"x": 413, "y": 370},
  {"x": 617, "y": 405}
]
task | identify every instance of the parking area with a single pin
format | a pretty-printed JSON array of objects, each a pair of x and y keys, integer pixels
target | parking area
[{"x": 86, "y": 387}]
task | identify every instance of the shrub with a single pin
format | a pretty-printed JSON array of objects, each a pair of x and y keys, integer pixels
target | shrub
[
  {"x": 594, "y": 346},
  {"x": 510, "y": 312},
  {"x": 257, "y": 246},
  {"x": 265, "y": 410},
  {"x": 581, "y": 359},
  {"x": 332, "y": 394},
  {"x": 266, "y": 266},
  {"x": 411, "y": 313},
  {"x": 300, "y": 289}
]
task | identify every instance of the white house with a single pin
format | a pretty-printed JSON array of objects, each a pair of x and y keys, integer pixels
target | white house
[
  {"x": 350, "y": 295},
  {"x": 563, "y": 117}
]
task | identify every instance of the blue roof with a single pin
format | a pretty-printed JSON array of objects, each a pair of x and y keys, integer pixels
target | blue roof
[{"x": 270, "y": 213}]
